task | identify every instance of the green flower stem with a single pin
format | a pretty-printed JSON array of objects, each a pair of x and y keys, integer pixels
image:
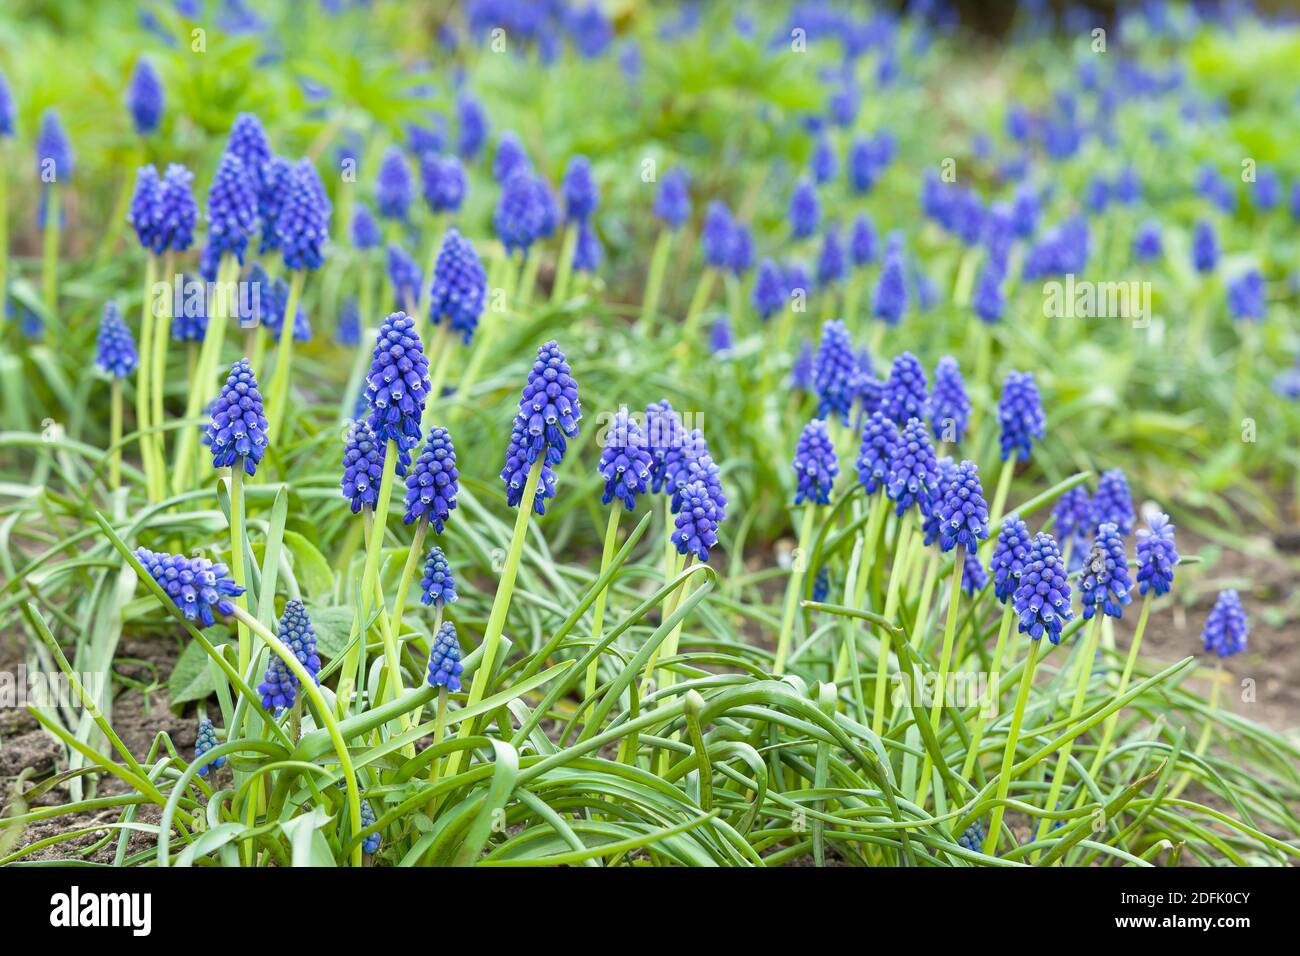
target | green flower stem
[
  {"x": 945, "y": 659},
  {"x": 1004, "y": 489},
  {"x": 793, "y": 587},
  {"x": 528, "y": 279},
  {"x": 891, "y": 606},
  {"x": 121, "y": 205},
  {"x": 1008, "y": 755},
  {"x": 871, "y": 547},
  {"x": 699, "y": 300},
  {"x": 439, "y": 729},
  {"x": 927, "y": 594},
  {"x": 564, "y": 268},
  {"x": 399, "y": 607},
  {"x": 158, "y": 374},
  {"x": 50, "y": 267},
  {"x": 995, "y": 672},
  {"x": 323, "y": 714},
  {"x": 370, "y": 576},
  {"x": 598, "y": 609},
  {"x": 115, "y": 434},
  {"x": 201, "y": 382},
  {"x": 1087, "y": 652},
  {"x": 284, "y": 360},
  {"x": 237, "y": 571},
  {"x": 500, "y": 606},
  {"x": 654, "y": 282},
  {"x": 142, "y": 386},
  {"x": 1108, "y": 729},
  {"x": 1207, "y": 729}
]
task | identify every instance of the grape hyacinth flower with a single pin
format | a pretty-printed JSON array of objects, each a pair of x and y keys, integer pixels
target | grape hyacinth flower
[
  {"x": 1226, "y": 627},
  {"x": 53, "y": 151},
  {"x": 973, "y": 577},
  {"x": 988, "y": 300},
  {"x": 433, "y": 482},
  {"x": 824, "y": 164},
  {"x": 205, "y": 740},
  {"x": 549, "y": 412},
  {"x": 303, "y": 224},
  {"x": 815, "y": 465},
  {"x": 689, "y": 461},
  {"x": 177, "y": 212},
  {"x": 1156, "y": 555},
  {"x": 363, "y": 466},
  {"x": 913, "y": 477},
  {"x": 393, "y": 189},
  {"x": 1009, "y": 555},
  {"x": 930, "y": 517},
  {"x": 115, "y": 353},
  {"x": 1205, "y": 247},
  {"x": 7, "y": 112},
  {"x": 471, "y": 123},
  {"x": 588, "y": 252},
  {"x": 890, "y": 300},
  {"x": 459, "y": 289},
  {"x": 365, "y": 231},
  {"x": 445, "y": 667},
  {"x": 1073, "y": 514},
  {"x": 1113, "y": 503},
  {"x": 232, "y": 209},
  {"x": 862, "y": 241},
  {"x": 1020, "y": 412},
  {"x": 277, "y": 175},
  {"x": 721, "y": 340},
  {"x": 249, "y": 144},
  {"x": 834, "y": 369},
  {"x": 145, "y": 97},
  {"x": 831, "y": 264},
  {"x": 805, "y": 210},
  {"x": 397, "y": 385},
  {"x": 1246, "y": 297},
  {"x": 1105, "y": 581},
  {"x": 510, "y": 158},
  {"x": 625, "y": 463},
  {"x": 698, "y": 518},
  {"x": 348, "y": 332},
  {"x": 581, "y": 195},
  {"x": 237, "y": 432},
  {"x": 1147, "y": 243},
  {"x": 443, "y": 182},
  {"x": 191, "y": 323},
  {"x": 769, "y": 290},
  {"x": 438, "y": 586},
  {"x": 371, "y": 843},
  {"x": 664, "y": 438},
  {"x": 197, "y": 586},
  {"x": 949, "y": 405},
  {"x": 145, "y": 209},
  {"x": 963, "y": 514},
  {"x": 1042, "y": 600},
  {"x": 716, "y": 236},
  {"x": 672, "y": 203},
  {"x": 520, "y": 216},
  {"x": 515, "y": 471},
  {"x": 404, "y": 273},
  {"x": 879, "y": 440},
  {"x": 905, "y": 393}
]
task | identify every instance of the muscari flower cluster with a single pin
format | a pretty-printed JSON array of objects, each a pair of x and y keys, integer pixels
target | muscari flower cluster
[
  {"x": 581, "y": 195},
  {"x": 769, "y": 292},
  {"x": 303, "y": 223},
  {"x": 963, "y": 515},
  {"x": 625, "y": 463},
  {"x": 833, "y": 372},
  {"x": 949, "y": 405},
  {"x": 279, "y": 685},
  {"x": 197, "y": 586},
  {"x": 815, "y": 464},
  {"x": 1020, "y": 412},
  {"x": 805, "y": 210},
  {"x": 145, "y": 98},
  {"x": 163, "y": 212},
  {"x": 672, "y": 203},
  {"x": 404, "y": 274},
  {"x": 237, "y": 432},
  {"x": 365, "y": 231},
  {"x": 371, "y": 843},
  {"x": 393, "y": 189},
  {"x": 472, "y": 126},
  {"x": 232, "y": 212},
  {"x": 443, "y": 182},
  {"x": 1105, "y": 581},
  {"x": 1156, "y": 555},
  {"x": 905, "y": 393},
  {"x": 520, "y": 218},
  {"x": 437, "y": 586},
  {"x": 1009, "y": 555},
  {"x": 398, "y": 383},
  {"x": 1226, "y": 627},
  {"x": 433, "y": 482},
  {"x": 1042, "y": 598},
  {"x": 1113, "y": 503},
  {"x": 53, "y": 151},
  {"x": 889, "y": 302},
  {"x": 363, "y": 466},
  {"x": 913, "y": 477},
  {"x": 459, "y": 287},
  {"x": 115, "y": 352},
  {"x": 1246, "y": 296},
  {"x": 549, "y": 412},
  {"x": 831, "y": 263},
  {"x": 445, "y": 667},
  {"x": 205, "y": 740}
]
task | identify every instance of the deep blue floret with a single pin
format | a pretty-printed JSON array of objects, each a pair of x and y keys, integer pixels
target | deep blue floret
[
  {"x": 146, "y": 206},
  {"x": 1113, "y": 503},
  {"x": 1246, "y": 296},
  {"x": 405, "y": 275},
  {"x": 232, "y": 208},
  {"x": 588, "y": 252},
  {"x": 1156, "y": 555},
  {"x": 801, "y": 369},
  {"x": 515, "y": 471},
  {"x": 433, "y": 482},
  {"x": 973, "y": 575},
  {"x": 581, "y": 196},
  {"x": 949, "y": 405},
  {"x": 445, "y": 667},
  {"x": 862, "y": 241},
  {"x": 1205, "y": 247},
  {"x": 397, "y": 385},
  {"x": 740, "y": 255},
  {"x": 815, "y": 465},
  {"x": 348, "y": 331},
  {"x": 365, "y": 231},
  {"x": 962, "y": 511},
  {"x": 691, "y": 461},
  {"x": 672, "y": 202},
  {"x": 6, "y": 109},
  {"x": 178, "y": 213},
  {"x": 1073, "y": 514},
  {"x": 913, "y": 477},
  {"x": 988, "y": 299},
  {"x": 805, "y": 210},
  {"x": 549, "y": 405},
  {"x": 53, "y": 151},
  {"x": 889, "y": 302},
  {"x": 1226, "y": 627},
  {"x": 663, "y": 435},
  {"x": 237, "y": 432},
  {"x": 471, "y": 122},
  {"x": 443, "y": 182},
  {"x": 1104, "y": 582},
  {"x": 697, "y": 521},
  {"x": 363, "y": 466},
  {"x": 196, "y": 585},
  {"x": 438, "y": 586},
  {"x": 459, "y": 288},
  {"x": 1009, "y": 555},
  {"x": 626, "y": 463},
  {"x": 277, "y": 181},
  {"x": 1020, "y": 412},
  {"x": 510, "y": 158},
  {"x": 371, "y": 843},
  {"x": 831, "y": 262},
  {"x": 824, "y": 164},
  {"x": 834, "y": 372},
  {"x": 205, "y": 740},
  {"x": 769, "y": 290},
  {"x": 393, "y": 188},
  {"x": 716, "y": 237},
  {"x": 1042, "y": 599},
  {"x": 1147, "y": 242},
  {"x": 905, "y": 394},
  {"x": 115, "y": 352},
  {"x": 248, "y": 142},
  {"x": 721, "y": 340},
  {"x": 520, "y": 216}
]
